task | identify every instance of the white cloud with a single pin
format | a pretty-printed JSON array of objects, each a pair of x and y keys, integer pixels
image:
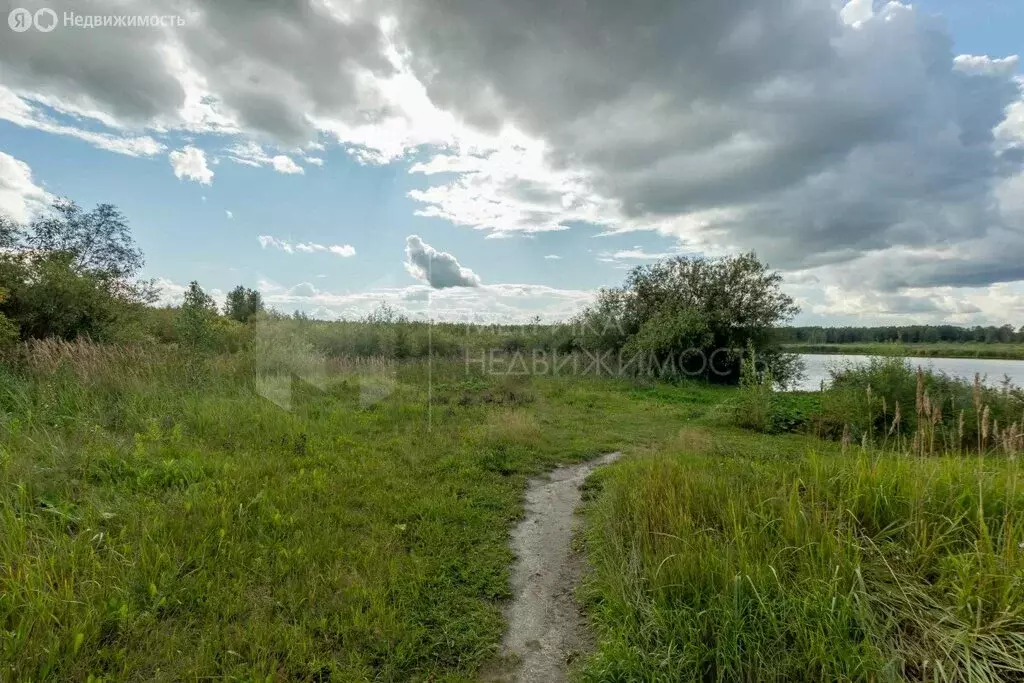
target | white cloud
[
  {"x": 637, "y": 254},
  {"x": 229, "y": 214},
  {"x": 20, "y": 198},
  {"x": 343, "y": 250},
  {"x": 857, "y": 11},
  {"x": 499, "y": 303},
  {"x": 252, "y": 154},
  {"x": 316, "y": 161},
  {"x": 284, "y": 164},
  {"x": 553, "y": 257},
  {"x": 983, "y": 65},
  {"x": 190, "y": 163},
  {"x": 436, "y": 268}
]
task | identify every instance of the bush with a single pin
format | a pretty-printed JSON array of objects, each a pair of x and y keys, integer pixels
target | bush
[
  {"x": 68, "y": 274},
  {"x": 196, "y": 318},
  {"x": 693, "y": 316},
  {"x": 8, "y": 334},
  {"x": 755, "y": 402}
]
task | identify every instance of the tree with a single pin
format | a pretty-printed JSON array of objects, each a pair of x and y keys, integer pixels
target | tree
[
  {"x": 69, "y": 273},
  {"x": 196, "y": 317},
  {"x": 694, "y": 316},
  {"x": 243, "y": 304},
  {"x": 99, "y": 240}
]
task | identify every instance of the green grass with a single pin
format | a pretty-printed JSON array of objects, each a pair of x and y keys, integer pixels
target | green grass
[
  {"x": 924, "y": 350},
  {"x": 767, "y": 559},
  {"x": 162, "y": 521}
]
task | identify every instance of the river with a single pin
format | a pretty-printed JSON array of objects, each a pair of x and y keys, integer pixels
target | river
[{"x": 992, "y": 369}]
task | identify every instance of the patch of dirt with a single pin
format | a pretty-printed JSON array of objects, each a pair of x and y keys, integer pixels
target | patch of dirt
[{"x": 546, "y": 627}]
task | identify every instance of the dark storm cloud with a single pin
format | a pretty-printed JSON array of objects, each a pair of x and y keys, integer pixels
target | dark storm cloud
[
  {"x": 272, "y": 65},
  {"x": 815, "y": 140},
  {"x": 831, "y": 140}
]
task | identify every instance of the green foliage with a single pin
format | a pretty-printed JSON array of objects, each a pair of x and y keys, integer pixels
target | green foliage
[
  {"x": 47, "y": 296},
  {"x": 693, "y": 316},
  {"x": 712, "y": 563},
  {"x": 8, "y": 333},
  {"x": 68, "y": 274},
  {"x": 196, "y": 319},
  {"x": 99, "y": 241},
  {"x": 862, "y": 399},
  {"x": 950, "y": 335},
  {"x": 754, "y": 407},
  {"x": 243, "y": 304}
]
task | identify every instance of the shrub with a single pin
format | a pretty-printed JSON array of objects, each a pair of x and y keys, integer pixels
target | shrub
[
  {"x": 693, "y": 316},
  {"x": 755, "y": 403},
  {"x": 196, "y": 318},
  {"x": 69, "y": 274}
]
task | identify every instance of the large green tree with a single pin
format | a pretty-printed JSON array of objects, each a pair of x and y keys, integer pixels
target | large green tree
[
  {"x": 69, "y": 273},
  {"x": 694, "y": 316}
]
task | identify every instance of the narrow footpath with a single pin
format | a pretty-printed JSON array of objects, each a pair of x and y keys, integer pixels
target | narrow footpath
[{"x": 546, "y": 626}]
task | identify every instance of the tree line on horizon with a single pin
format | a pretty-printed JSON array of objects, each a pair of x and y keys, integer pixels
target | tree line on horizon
[
  {"x": 906, "y": 334},
  {"x": 72, "y": 274}
]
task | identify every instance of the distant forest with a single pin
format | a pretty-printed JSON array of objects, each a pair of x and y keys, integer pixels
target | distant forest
[{"x": 909, "y": 334}]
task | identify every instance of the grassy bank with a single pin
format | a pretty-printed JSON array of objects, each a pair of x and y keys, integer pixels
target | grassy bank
[
  {"x": 942, "y": 350},
  {"x": 765, "y": 560},
  {"x": 163, "y": 521},
  {"x": 890, "y": 549}
]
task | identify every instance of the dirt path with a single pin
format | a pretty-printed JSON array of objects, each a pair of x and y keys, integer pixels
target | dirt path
[{"x": 546, "y": 628}]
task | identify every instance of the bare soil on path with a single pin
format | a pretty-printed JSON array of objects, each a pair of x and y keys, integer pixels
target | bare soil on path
[{"x": 546, "y": 626}]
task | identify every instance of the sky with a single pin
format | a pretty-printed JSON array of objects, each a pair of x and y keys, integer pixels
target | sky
[{"x": 494, "y": 161}]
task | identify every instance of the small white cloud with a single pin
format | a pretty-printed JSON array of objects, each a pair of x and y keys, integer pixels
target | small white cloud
[
  {"x": 437, "y": 268},
  {"x": 343, "y": 250},
  {"x": 229, "y": 214},
  {"x": 856, "y": 12},
  {"x": 636, "y": 254},
  {"x": 316, "y": 161},
  {"x": 284, "y": 164},
  {"x": 190, "y": 163},
  {"x": 983, "y": 65},
  {"x": 553, "y": 257},
  {"x": 252, "y": 154}
]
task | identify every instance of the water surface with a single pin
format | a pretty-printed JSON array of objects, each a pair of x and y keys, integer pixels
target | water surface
[{"x": 992, "y": 369}]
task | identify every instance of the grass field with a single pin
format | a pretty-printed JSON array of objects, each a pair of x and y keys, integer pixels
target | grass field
[
  {"x": 718, "y": 562},
  {"x": 163, "y": 520},
  {"x": 940, "y": 350}
]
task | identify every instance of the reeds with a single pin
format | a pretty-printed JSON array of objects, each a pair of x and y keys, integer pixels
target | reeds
[{"x": 938, "y": 427}]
